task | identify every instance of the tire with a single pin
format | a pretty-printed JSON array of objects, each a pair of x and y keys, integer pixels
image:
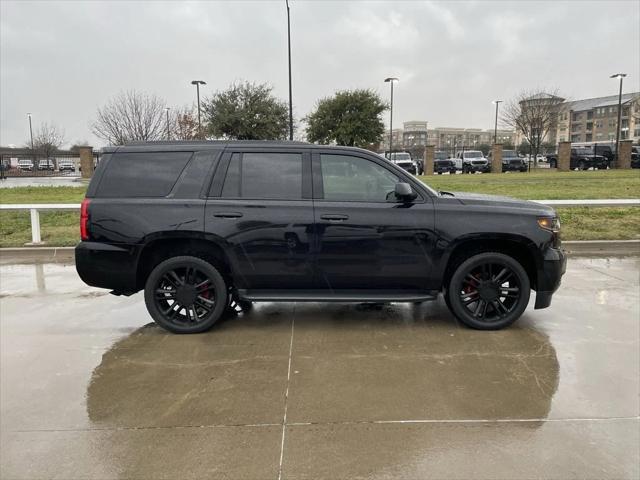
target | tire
[
  {"x": 481, "y": 302},
  {"x": 581, "y": 165},
  {"x": 194, "y": 286}
]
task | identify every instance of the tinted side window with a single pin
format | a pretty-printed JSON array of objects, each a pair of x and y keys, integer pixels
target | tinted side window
[
  {"x": 347, "y": 178},
  {"x": 142, "y": 174},
  {"x": 275, "y": 176}
]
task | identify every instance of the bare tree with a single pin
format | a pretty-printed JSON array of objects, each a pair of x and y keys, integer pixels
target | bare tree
[
  {"x": 534, "y": 113},
  {"x": 47, "y": 139},
  {"x": 130, "y": 116},
  {"x": 184, "y": 123}
]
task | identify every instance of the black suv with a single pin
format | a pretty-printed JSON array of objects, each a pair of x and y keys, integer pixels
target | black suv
[
  {"x": 581, "y": 159},
  {"x": 511, "y": 162},
  {"x": 201, "y": 226},
  {"x": 442, "y": 163}
]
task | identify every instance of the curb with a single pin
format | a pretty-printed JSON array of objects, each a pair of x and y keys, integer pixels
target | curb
[
  {"x": 16, "y": 256},
  {"x": 574, "y": 248},
  {"x": 602, "y": 248}
]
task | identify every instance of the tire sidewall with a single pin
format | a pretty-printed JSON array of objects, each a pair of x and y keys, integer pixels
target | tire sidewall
[
  {"x": 455, "y": 285},
  {"x": 220, "y": 290}
]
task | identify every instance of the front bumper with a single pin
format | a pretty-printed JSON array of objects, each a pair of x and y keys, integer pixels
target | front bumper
[
  {"x": 478, "y": 168},
  {"x": 451, "y": 169},
  {"x": 554, "y": 265},
  {"x": 514, "y": 167}
]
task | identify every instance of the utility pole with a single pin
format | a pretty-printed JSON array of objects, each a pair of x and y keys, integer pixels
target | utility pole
[
  {"x": 166, "y": 109},
  {"x": 391, "y": 80},
  {"x": 197, "y": 83},
  {"x": 495, "y": 129},
  {"x": 33, "y": 153},
  {"x": 620, "y": 76},
  {"x": 290, "y": 94}
]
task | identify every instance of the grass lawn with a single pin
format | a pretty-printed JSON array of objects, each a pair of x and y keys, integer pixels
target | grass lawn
[
  {"x": 544, "y": 184},
  {"x": 62, "y": 228}
]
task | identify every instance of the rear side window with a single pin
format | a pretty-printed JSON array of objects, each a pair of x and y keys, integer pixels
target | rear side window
[
  {"x": 150, "y": 174},
  {"x": 273, "y": 176}
]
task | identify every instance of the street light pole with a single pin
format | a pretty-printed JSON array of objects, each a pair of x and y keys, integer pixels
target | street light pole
[
  {"x": 290, "y": 94},
  {"x": 620, "y": 76},
  {"x": 33, "y": 153},
  {"x": 166, "y": 109},
  {"x": 30, "y": 132},
  {"x": 197, "y": 83},
  {"x": 391, "y": 80},
  {"x": 495, "y": 128}
]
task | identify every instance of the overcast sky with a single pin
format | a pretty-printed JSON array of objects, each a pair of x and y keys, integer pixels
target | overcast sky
[{"x": 61, "y": 60}]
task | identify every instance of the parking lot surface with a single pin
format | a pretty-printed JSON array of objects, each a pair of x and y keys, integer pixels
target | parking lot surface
[{"x": 91, "y": 389}]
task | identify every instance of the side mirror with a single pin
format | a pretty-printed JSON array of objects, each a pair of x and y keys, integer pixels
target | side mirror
[{"x": 404, "y": 192}]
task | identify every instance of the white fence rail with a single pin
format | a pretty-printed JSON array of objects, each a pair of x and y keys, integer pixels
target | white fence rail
[{"x": 35, "y": 208}]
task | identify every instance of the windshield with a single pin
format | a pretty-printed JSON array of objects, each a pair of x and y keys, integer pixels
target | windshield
[
  {"x": 473, "y": 154},
  {"x": 509, "y": 154},
  {"x": 441, "y": 156},
  {"x": 583, "y": 151}
]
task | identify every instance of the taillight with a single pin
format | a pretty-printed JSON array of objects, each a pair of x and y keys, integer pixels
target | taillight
[{"x": 84, "y": 219}]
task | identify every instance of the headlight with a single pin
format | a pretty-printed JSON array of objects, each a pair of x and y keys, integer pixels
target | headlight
[{"x": 549, "y": 223}]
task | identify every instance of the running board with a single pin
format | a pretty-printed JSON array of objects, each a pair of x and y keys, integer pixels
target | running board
[{"x": 346, "y": 296}]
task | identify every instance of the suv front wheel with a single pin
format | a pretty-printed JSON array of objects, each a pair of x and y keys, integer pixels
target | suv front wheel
[
  {"x": 488, "y": 291},
  {"x": 185, "y": 294}
]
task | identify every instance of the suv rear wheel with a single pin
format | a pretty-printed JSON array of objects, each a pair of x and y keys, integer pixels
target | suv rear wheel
[
  {"x": 488, "y": 291},
  {"x": 185, "y": 294}
]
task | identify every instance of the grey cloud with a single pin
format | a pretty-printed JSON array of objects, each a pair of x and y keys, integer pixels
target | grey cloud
[{"x": 61, "y": 60}]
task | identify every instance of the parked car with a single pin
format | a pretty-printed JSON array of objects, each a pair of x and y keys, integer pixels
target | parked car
[
  {"x": 471, "y": 161},
  {"x": 216, "y": 223},
  {"x": 404, "y": 161},
  {"x": 66, "y": 165},
  {"x": 46, "y": 164},
  {"x": 605, "y": 149},
  {"x": 25, "y": 165},
  {"x": 511, "y": 162},
  {"x": 635, "y": 157},
  {"x": 443, "y": 164},
  {"x": 581, "y": 159}
]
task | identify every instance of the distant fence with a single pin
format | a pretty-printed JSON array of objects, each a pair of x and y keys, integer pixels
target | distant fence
[{"x": 38, "y": 165}]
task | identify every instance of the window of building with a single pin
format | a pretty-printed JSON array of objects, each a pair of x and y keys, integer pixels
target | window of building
[
  {"x": 274, "y": 176},
  {"x": 589, "y": 115},
  {"x": 355, "y": 179},
  {"x": 576, "y": 117}
]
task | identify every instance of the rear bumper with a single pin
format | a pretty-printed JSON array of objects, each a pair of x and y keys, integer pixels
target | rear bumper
[
  {"x": 554, "y": 265},
  {"x": 107, "y": 266}
]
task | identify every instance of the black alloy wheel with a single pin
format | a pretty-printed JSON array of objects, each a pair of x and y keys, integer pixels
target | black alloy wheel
[
  {"x": 185, "y": 294},
  {"x": 582, "y": 165},
  {"x": 489, "y": 291}
]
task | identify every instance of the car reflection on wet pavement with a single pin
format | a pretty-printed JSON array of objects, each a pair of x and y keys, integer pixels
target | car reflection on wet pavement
[{"x": 91, "y": 389}]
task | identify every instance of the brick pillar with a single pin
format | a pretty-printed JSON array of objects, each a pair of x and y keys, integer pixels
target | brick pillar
[
  {"x": 496, "y": 158},
  {"x": 86, "y": 161},
  {"x": 564, "y": 156},
  {"x": 429, "y": 153},
  {"x": 624, "y": 154}
]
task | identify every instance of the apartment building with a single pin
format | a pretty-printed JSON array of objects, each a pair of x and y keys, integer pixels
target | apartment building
[
  {"x": 417, "y": 134},
  {"x": 595, "y": 119}
]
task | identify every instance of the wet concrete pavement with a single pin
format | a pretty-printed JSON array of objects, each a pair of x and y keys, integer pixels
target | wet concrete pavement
[{"x": 91, "y": 389}]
